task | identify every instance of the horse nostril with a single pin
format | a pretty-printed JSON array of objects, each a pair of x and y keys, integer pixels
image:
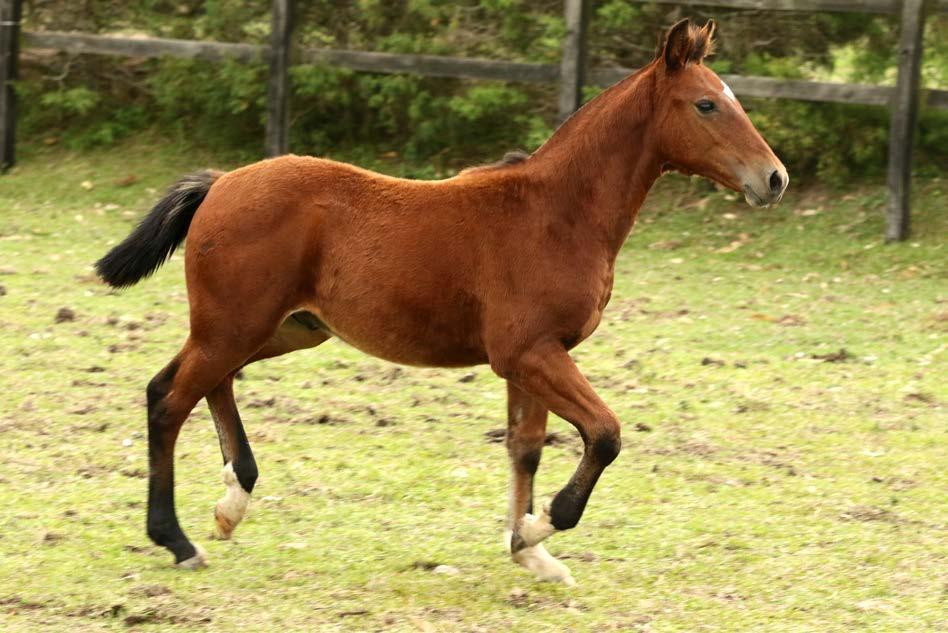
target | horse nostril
[{"x": 776, "y": 182}]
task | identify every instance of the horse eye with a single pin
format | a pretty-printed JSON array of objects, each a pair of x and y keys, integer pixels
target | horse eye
[{"x": 705, "y": 106}]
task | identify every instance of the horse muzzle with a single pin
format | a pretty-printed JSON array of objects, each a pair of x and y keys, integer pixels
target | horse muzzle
[{"x": 766, "y": 187}]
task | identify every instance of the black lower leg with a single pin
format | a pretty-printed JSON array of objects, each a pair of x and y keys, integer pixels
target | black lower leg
[
  {"x": 235, "y": 447},
  {"x": 162, "y": 523},
  {"x": 245, "y": 466},
  {"x": 529, "y": 462},
  {"x": 525, "y": 461},
  {"x": 570, "y": 502}
]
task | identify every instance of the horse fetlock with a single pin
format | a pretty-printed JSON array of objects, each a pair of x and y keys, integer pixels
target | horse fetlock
[
  {"x": 533, "y": 530},
  {"x": 230, "y": 510},
  {"x": 567, "y": 507},
  {"x": 197, "y": 561}
]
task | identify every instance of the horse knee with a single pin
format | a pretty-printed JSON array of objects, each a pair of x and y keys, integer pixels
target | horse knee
[
  {"x": 605, "y": 448},
  {"x": 526, "y": 458},
  {"x": 603, "y": 439}
]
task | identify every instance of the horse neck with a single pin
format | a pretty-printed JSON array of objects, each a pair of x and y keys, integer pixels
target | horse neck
[{"x": 599, "y": 165}]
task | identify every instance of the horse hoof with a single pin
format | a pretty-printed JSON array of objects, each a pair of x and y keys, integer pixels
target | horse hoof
[
  {"x": 230, "y": 510},
  {"x": 224, "y": 526},
  {"x": 534, "y": 530},
  {"x": 543, "y": 565},
  {"x": 198, "y": 561}
]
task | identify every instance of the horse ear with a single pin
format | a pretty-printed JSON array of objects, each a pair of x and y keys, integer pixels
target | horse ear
[
  {"x": 704, "y": 42},
  {"x": 659, "y": 43},
  {"x": 679, "y": 43},
  {"x": 709, "y": 28}
]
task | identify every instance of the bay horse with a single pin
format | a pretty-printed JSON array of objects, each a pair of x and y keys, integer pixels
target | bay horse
[{"x": 509, "y": 264}]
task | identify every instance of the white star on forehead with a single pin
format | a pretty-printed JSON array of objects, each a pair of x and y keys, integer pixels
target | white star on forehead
[{"x": 728, "y": 91}]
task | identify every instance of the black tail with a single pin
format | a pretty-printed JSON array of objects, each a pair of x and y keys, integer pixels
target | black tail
[{"x": 154, "y": 240}]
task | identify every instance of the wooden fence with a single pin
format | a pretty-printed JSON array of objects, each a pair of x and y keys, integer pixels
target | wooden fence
[{"x": 572, "y": 73}]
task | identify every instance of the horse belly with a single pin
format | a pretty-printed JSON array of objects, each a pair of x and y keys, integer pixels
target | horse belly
[
  {"x": 399, "y": 282},
  {"x": 438, "y": 332}
]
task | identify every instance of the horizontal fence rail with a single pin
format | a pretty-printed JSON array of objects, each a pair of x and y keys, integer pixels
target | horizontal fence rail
[
  {"x": 571, "y": 73},
  {"x": 893, "y": 7},
  {"x": 440, "y": 66},
  {"x": 429, "y": 65}
]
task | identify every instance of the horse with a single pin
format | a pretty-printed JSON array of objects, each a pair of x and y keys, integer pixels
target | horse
[{"x": 510, "y": 264}]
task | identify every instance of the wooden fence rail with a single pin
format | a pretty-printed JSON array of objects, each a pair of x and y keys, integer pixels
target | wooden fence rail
[
  {"x": 571, "y": 73},
  {"x": 439, "y": 66},
  {"x": 893, "y": 7}
]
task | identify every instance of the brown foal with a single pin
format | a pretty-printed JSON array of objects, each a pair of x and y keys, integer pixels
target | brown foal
[{"x": 509, "y": 264}]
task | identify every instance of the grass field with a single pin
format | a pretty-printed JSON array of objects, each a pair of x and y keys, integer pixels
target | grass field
[{"x": 781, "y": 375}]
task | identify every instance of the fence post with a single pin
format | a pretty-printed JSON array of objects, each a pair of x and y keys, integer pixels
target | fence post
[
  {"x": 10, "y": 14},
  {"x": 904, "y": 117},
  {"x": 573, "y": 64},
  {"x": 278, "y": 85}
]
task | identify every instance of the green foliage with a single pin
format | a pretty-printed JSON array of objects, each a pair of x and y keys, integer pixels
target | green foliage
[
  {"x": 415, "y": 117},
  {"x": 832, "y": 140},
  {"x": 83, "y": 117},
  {"x": 72, "y": 101},
  {"x": 450, "y": 122},
  {"x": 223, "y": 103}
]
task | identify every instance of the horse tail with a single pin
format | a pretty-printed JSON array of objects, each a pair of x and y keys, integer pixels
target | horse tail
[{"x": 153, "y": 241}]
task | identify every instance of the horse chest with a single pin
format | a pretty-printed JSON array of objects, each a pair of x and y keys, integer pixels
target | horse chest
[{"x": 588, "y": 310}]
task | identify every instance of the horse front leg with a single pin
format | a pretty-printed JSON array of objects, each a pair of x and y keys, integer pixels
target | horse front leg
[
  {"x": 547, "y": 373},
  {"x": 526, "y": 434}
]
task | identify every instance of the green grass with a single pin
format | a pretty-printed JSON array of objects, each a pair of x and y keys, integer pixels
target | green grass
[{"x": 762, "y": 490}]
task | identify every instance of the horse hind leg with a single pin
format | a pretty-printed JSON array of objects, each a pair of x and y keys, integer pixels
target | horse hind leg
[
  {"x": 212, "y": 353},
  {"x": 172, "y": 395},
  {"x": 298, "y": 331},
  {"x": 526, "y": 434},
  {"x": 240, "y": 468}
]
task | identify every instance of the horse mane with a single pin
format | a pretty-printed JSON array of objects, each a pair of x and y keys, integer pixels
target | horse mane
[{"x": 513, "y": 157}]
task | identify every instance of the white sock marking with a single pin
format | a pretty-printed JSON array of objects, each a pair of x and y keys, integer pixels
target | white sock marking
[
  {"x": 232, "y": 507},
  {"x": 543, "y": 565},
  {"x": 539, "y": 561},
  {"x": 536, "y": 529}
]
